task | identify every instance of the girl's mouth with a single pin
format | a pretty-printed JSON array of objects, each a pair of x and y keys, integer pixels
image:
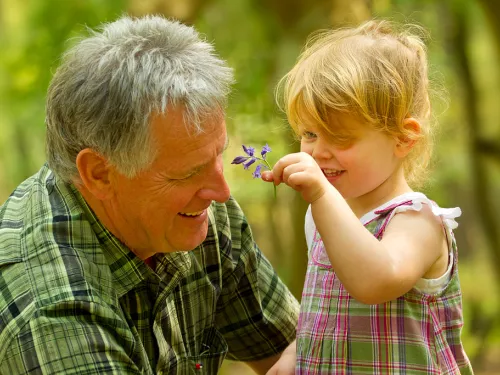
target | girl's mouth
[{"x": 332, "y": 172}]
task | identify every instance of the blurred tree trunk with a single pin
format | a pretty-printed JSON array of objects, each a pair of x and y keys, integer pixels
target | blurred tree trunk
[
  {"x": 492, "y": 13},
  {"x": 482, "y": 191},
  {"x": 481, "y": 184},
  {"x": 456, "y": 31}
]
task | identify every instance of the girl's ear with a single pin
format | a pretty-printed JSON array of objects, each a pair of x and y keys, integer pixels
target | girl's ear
[{"x": 406, "y": 142}]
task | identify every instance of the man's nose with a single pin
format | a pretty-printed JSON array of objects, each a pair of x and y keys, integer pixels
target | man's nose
[{"x": 216, "y": 187}]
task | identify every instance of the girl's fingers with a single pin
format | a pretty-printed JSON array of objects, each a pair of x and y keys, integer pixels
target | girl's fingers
[
  {"x": 298, "y": 180},
  {"x": 300, "y": 172},
  {"x": 283, "y": 163},
  {"x": 290, "y": 170},
  {"x": 267, "y": 176},
  {"x": 278, "y": 174},
  {"x": 270, "y": 176}
]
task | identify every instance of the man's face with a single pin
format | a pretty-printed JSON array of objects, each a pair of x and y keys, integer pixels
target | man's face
[{"x": 164, "y": 208}]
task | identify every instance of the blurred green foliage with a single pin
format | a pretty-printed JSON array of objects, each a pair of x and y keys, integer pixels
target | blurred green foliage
[{"x": 261, "y": 40}]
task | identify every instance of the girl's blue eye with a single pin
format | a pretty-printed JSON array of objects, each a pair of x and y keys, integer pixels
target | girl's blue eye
[{"x": 308, "y": 135}]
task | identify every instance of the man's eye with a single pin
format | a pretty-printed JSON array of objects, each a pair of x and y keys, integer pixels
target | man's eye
[
  {"x": 308, "y": 135},
  {"x": 180, "y": 179},
  {"x": 187, "y": 177},
  {"x": 191, "y": 175}
]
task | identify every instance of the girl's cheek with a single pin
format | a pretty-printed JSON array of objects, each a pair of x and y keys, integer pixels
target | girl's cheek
[{"x": 307, "y": 148}]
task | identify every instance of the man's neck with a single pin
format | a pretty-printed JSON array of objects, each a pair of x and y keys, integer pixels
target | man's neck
[
  {"x": 151, "y": 262},
  {"x": 102, "y": 213}
]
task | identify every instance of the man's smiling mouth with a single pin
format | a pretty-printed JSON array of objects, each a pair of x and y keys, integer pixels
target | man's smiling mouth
[{"x": 191, "y": 214}]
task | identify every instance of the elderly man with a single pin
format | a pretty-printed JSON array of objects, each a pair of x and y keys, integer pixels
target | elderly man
[{"x": 125, "y": 254}]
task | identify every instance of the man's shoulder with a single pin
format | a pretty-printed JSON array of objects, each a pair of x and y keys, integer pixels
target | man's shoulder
[
  {"x": 30, "y": 213},
  {"x": 50, "y": 279},
  {"x": 46, "y": 240},
  {"x": 18, "y": 214},
  {"x": 13, "y": 209},
  {"x": 52, "y": 267}
]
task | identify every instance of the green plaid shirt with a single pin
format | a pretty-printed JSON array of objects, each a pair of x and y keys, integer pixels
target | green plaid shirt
[{"x": 75, "y": 300}]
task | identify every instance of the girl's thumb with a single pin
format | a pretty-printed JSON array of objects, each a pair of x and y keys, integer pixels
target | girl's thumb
[{"x": 267, "y": 176}]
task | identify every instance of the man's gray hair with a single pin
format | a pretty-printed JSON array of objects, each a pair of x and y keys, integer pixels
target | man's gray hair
[{"x": 109, "y": 85}]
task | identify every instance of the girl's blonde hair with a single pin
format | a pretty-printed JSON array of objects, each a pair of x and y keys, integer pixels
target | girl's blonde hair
[{"x": 374, "y": 72}]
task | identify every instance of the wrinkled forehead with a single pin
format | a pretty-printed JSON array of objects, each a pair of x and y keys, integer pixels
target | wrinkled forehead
[
  {"x": 175, "y": 123},
  {"x": 181, "y": 149}
]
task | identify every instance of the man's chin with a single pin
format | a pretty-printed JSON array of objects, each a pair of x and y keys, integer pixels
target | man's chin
[{"x": 195, "y": 240}]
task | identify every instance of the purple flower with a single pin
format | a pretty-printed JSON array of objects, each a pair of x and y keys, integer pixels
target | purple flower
[
  {"x": 248, "y": 150},
  {"x": 265, "y": 150},
  {"x": 249, "y": 163},
  {"x": 239, "y": 159},
  {"x": 256, "y": 173}
]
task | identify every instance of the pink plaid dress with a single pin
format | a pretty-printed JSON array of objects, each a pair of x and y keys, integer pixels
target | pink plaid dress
[{"x": 418, "y": 333}]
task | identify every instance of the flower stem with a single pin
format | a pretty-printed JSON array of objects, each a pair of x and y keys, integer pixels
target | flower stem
[{"x": 269, "y": 167}]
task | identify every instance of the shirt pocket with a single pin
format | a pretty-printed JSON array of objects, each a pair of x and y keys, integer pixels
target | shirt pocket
[{"x": 211, "y": 353}]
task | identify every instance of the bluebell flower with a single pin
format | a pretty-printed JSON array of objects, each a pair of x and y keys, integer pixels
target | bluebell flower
[
  {"x": 239, "y": 159},
  {"x": 256, "y": 173},
  {"x": 248, "y": 150},
  {"x": 265, "y": 150},
  {"x": 247, "y": 161}
]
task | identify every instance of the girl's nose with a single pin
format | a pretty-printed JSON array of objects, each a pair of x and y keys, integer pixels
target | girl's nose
[{"x": 321, "y": 149}]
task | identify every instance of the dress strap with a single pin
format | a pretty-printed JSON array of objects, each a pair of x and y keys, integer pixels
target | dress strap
[{"x": 387, "y": 212}]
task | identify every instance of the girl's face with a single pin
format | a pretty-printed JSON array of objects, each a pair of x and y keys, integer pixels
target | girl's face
[{"x": 367, "y": 171}]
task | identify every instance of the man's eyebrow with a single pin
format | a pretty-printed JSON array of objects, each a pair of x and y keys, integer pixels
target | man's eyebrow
[{"x": 199, "y": 167}]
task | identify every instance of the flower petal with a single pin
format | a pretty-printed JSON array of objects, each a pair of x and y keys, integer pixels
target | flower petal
[
  {"x": 265, "y": 150},
  {"x": 249, "y": 163},
  {"x": 248, "y": 150},
  {"x": 256, "y": 173},
  {"x": 239, "y": 159}
]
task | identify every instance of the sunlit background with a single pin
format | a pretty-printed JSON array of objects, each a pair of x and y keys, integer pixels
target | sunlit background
[{"x": 261, "y": 40}]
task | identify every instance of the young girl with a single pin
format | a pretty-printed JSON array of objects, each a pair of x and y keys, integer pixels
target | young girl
[{"x": 382, "y": 294}]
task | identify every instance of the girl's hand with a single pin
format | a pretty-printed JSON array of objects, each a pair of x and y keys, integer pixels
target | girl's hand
[
  {"x": 287, "y": 362},
  {"x": 301, "y": 172}
]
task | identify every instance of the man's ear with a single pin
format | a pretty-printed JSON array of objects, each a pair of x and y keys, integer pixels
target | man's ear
[
  {"x": 405, "y": 143},
  {"x": 95, "y": 173}
]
